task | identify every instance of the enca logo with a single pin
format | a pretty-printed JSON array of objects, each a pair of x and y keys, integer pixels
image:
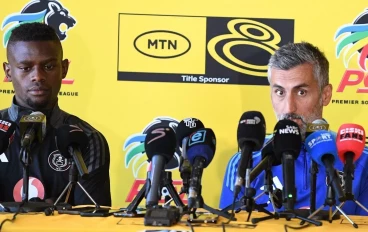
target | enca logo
[{"x": 162, "y": 44}]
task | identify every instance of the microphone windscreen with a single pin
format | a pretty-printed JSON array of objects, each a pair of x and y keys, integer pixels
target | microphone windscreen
[
  {"x": 37, "y": 120},
  {"x": 160, "y": 141},
  {"x": 268, "y": 150},
  {"x": 251, "y": 128},
  {"x": 70, "y": 135},
  {"x": 316, "y": 125},
  {"x": 186, "y": 127},
  {"x": 202, "y": 143},
  {"x": 7, "y": 131},
  {"x": 320, "y": 143},
  {"x": 287, "y": 138},
  {"x": 350, "y": 138}
]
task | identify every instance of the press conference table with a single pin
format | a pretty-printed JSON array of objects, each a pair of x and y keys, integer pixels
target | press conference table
[{"x": 62, "y": 222}]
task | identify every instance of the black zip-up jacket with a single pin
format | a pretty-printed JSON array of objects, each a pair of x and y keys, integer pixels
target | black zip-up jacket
[{"x": 49, "y": 171}]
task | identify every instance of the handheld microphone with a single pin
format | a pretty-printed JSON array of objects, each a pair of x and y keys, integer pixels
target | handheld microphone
[
  {"x": 287, "y": 144},
  {"x": 251, "y": 135},
  {"x": 32, "y": 128},
  {"x": 160, "y": 145},
  {"x": 316, "y": 125},
  {"x": 322, "y": 148},
  {"x": 71, "y": 141},
  {"x": 200, "y": 150},
  {"x": 350, "y": 143},
  {"x": 7, "y": 131},
  {"x": 185, "y": 128}
]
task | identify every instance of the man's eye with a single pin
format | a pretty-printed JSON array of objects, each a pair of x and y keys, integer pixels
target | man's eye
[
  {"x": 49, "y": 67},
  {"x": 302, "y": 92},
  {"x": 279, "y": 92},
  {"x": 25, "y": 68}
]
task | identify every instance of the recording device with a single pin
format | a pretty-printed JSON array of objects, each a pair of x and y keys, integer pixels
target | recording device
[
  {"x": 162, "y": 216},
  {"x": 71, "y": 141},
  {"x": 316, "y": 125},
  {"x": 185, "y": 128},
  {"x": 32, "y": 128},
  {"x": 287, "y": 145},
  {"x": 7, "y": 131},
  {"x": 201, "y": 149},
  {"x": 160, "y": 145},
  {"x": 251, "y": 134}
]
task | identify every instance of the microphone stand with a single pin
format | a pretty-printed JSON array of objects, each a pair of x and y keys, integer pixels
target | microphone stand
[
  {"x": 247, "y": 201},
  {"x": 25, "y": 206},
  {"x": 313, "y": 171},
  {"x": 268, "y": 186},
  {"x": 73, "y": 180},
  {"x": 349, "y": 169},
  {"x": 165, "y": 182},
  {"x": 330, "y": 201}
]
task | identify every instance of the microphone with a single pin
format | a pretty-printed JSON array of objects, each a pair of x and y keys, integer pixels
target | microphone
[
  {"x": 322, "y": 148},
  {"x": 7, "y": 131},
  {"x": 201, "y": 149},
  {"x": 160, "y": 145},
  {"x": 71, "y": 141},
  {"x": 185, "y": 128},
  {"x": 250, "y": 135},
  {"x": 268, "y": 158},
  {"x": 350, "y": 143},
  {"x": 32, "y": 128},
  {"x": 287, "y": 144},
  {"x": 316, "y": 125}
]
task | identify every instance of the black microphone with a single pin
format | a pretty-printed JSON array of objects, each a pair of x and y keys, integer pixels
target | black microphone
[
  {"x": 71, "y": 141},
  {"x": 201, "y": 149},
  {"x": 160, "y": 145},
  {"x": 32, "y": 128},
  {"x": 185, "y": 128},
  {"x": 251, "y": 135},
  {"x": 287, "y": 144},
  {"x": 268, "y": 157},
  {"x": 7, "y": 131}
]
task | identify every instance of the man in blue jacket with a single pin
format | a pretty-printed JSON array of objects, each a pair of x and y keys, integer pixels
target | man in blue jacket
[{"x": 298, "y": 74}]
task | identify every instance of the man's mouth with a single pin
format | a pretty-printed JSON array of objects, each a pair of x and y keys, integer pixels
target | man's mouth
[{"x": 38, "y": 91}]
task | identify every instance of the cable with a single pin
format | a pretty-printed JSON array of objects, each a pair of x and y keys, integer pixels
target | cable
[
  {"x": 295, "y": 227},
  {"x": 13, "y": 218}
]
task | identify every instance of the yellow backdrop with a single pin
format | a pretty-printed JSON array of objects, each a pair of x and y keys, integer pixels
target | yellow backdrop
[{"x": 135, "y": 61}]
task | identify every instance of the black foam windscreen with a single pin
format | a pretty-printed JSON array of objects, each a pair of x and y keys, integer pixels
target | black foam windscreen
[
  {"x": 70, "y": 135},
  {"x": 7, "y": 130},
  {"x": 252, "y": 128},
  {"x": 186, "y": 127},
  {"x": 287, "y": 138},
  {"x": 268, "y": 150},
  {"x": 160, "y": 141}
]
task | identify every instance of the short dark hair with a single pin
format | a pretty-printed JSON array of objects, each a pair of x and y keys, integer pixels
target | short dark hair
[
  {"x": 27, "y": 32},
  {"x": 294, "y": 54}
]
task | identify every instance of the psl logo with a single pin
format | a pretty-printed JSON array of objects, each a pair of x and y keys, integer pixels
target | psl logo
[
  {"x": 135, "y": 156},
  {"x": 50, "y": 12},
  {"x": 353, "y": 42}
]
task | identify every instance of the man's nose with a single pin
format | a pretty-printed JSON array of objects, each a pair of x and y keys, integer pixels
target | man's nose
[
  {"x": 290, "y": 104},
  {"x": 38, "y": 75}
]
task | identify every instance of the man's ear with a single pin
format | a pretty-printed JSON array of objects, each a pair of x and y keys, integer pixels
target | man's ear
[
  {"x": 65, "y": 67},
  {"x": 326, "y": 94},
  {"x": 7, "y": 71}
]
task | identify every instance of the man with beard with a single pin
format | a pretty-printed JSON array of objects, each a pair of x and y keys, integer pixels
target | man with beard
[
  {"x": 36, "y": 68},
  {"x": 298, "y": 74}
]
